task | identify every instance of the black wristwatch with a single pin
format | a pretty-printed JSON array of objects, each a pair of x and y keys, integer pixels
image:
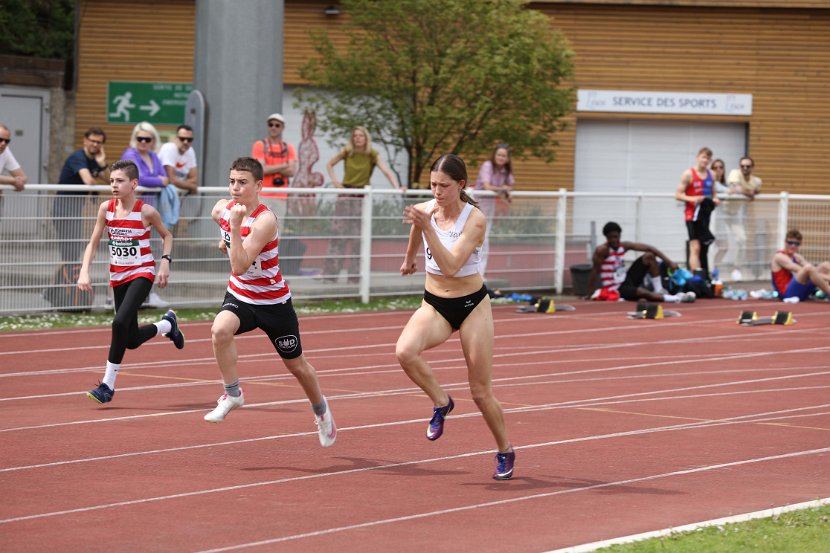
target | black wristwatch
[{"x": 168, "y": 258}]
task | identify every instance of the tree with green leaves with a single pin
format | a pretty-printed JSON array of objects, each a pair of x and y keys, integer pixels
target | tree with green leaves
[{"x": 430, "y": 77}]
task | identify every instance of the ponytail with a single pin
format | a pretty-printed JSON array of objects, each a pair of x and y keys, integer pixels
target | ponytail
[{"x": 467, "y": 198}]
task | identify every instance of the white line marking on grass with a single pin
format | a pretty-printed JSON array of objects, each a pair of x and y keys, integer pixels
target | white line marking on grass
[{"x": 766, "y": 513}]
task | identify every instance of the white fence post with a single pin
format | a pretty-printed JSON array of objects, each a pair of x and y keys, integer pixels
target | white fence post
[
  {"x": 783, "y": 214},
  {"x": 559, "y": 262},
  {"x": 366, "y": 244}
]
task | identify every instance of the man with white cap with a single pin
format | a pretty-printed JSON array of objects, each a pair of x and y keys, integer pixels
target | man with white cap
[{"x": 279, "y": 163}]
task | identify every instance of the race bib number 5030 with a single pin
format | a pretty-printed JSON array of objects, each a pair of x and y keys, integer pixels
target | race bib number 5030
[{"x": 124, "y": 253}]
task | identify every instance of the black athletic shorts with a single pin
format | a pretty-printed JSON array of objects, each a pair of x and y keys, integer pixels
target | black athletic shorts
[
  {"x": 455, "y": 310},
  {"x": 278, "y": 321},
  {"x": 633, "y": 279}
]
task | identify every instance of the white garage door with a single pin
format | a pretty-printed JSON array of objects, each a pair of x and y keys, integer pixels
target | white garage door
[{"x": 647, "y": 156}]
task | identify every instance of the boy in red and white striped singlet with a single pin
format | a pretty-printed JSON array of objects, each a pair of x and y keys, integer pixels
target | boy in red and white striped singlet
[
  {"x": 257, "y": 296},
  {"x": 127, "y": 221}
]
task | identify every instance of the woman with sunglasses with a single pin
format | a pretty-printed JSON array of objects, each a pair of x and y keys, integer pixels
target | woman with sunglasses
[
  {"x": 792, "y": 276},
  {"x": 151, "y": 174},
  {"x": 142, "y": 151},
  {"x": 728, "y": 224}
]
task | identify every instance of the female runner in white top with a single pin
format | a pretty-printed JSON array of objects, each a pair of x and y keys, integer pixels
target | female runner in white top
[{"x": 454, "y": 299}]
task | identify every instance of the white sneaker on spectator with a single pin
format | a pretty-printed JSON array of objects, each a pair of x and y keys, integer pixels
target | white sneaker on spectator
[
  {"x": 225, "y": 405},
  {"x": 153, "y": 301},
  {"x": 688, "y": 297}
]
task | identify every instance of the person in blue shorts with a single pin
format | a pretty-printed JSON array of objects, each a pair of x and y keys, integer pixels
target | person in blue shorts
[
  {"x": 451, "y": 228},
  {"x": 792, "y": 276}
]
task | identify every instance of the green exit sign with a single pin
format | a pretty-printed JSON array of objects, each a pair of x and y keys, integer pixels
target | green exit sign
[{"x": 157, "y": 103}]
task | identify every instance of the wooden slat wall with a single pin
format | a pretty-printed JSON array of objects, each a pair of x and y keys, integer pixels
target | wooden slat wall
[
  {"x": 781, "y": 56},
  {"x": 822, "y": 4},
  {"x": 704, "y": 3},
  {"x": 151, "y": 40}
]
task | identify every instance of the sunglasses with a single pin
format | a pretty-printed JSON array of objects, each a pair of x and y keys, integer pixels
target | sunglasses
[
  {"x": 185, "y": 138},
  {"x": 746, "y": 166},
  {"x": 6, "y": 140},
  {"x": 717, "y": 167},
  {"x": 144, "y": 138},
  {"x": 793, "y": 242},
  {"x": 96, "y": 142},
  {"x": 275, "y": 125}
]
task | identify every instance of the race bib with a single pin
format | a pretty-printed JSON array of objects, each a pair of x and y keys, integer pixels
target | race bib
[
  {"x": 124, "y": 252},
  {"x": 619, "y": 275}
]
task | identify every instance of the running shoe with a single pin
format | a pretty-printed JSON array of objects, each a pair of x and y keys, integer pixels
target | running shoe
[
  {"x": 436, "y": 425},
  {"x": 688, "y": 297},
  {"x": 175, "y": 334},
  {"x": 504, "y": 465},
  {"x": 101, "y": 394},
  {"x": 326, "y": 427},
  {"x": 225, "y": 405}
]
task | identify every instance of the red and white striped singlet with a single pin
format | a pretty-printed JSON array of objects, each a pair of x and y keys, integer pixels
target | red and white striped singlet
[
  {"x": 262, "y": 283},
  {"x": 129, "y": 246},
  {"x": 612, "y": 272}
]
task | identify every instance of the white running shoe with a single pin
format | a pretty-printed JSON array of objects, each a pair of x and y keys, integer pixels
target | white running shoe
[
  {"x": 326, "y": 427},
  {"x": 225, "y": 405},
  {"x": 688, "y": 297}
]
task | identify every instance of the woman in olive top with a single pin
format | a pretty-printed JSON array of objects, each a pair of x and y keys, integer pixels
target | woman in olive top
[{"x": 359, "y": 160}]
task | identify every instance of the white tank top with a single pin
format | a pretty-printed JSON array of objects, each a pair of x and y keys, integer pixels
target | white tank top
[{"x": 448, "y": 238}]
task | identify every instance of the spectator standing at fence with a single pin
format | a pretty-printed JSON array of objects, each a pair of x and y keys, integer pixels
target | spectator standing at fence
[
  {"x": 279, "y": 164},
  {"x": 793, "y": 276},
  {"x": 495, "y": 175},
  {"x": 142, "y": 151},
  {"x": 257, "y": 296},
  {"x": 616, "y": 282},
  {"x": 8, "y": 164},
  {"x": 749, "y": 185},
  {"x": 179, "y": 160},
  {"x": 151, "y": 174},
  {"x": 697, "y": 190},
  {"x": 359, "y": 161},
  {"x": 127, "y": 221},
  {"x": 82, "y": 167},
  {"x": 451, "y": 230}
]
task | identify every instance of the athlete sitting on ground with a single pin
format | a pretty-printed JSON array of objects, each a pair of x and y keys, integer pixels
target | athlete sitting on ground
[
  {"x": 616, "y": 282},
  {"x": 792, "y": 276}
]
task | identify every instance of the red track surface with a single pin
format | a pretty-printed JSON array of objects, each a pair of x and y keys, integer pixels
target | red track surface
[{"x": 620, "y": 426}]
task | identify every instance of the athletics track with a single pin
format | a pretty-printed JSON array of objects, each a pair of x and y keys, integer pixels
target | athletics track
[{"x": 620, "y": 427}]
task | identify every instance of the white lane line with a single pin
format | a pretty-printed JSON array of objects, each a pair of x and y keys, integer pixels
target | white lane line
[
  {"x": 457, "y": 385},
  {"x": 769, "y": 416},
  {"x": 486, "y": 504}
]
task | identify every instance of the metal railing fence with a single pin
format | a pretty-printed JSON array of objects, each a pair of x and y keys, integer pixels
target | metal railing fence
[{"x": 338, "y": 243}]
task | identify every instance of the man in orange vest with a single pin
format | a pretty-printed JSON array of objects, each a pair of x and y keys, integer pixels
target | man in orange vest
[{"x": 279, "y": 163}]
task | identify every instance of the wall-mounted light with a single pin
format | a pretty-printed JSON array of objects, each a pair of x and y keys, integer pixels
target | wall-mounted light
[{"x": 332, "y": 10}]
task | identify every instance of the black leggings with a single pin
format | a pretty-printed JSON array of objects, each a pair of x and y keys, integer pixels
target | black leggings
[{"x": 126, "y": 334}]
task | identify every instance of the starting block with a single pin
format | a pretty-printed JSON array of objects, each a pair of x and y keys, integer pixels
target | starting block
[
  {"x": 545, "y": 305},
  {"x": 652, "y": 311},
  {"x": 751, "y": 318}
]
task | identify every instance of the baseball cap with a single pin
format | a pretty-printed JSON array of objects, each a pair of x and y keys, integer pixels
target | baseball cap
[{"x": 276, "y": 116}]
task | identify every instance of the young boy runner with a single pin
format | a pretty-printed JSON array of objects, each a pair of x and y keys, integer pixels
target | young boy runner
[
  {"x": 257, "y": 296},
  {"x": 132, "y": 270}
]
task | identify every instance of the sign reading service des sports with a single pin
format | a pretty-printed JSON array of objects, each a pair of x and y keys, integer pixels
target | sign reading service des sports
[{"x": 157, "y": 103}]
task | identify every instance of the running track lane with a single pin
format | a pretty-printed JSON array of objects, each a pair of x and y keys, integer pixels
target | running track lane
[{"x": 620, "y": 427}]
